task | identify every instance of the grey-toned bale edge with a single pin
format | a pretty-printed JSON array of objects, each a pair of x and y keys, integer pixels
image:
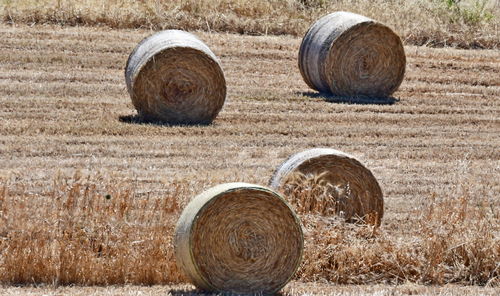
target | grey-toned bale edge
[
  {"x": 355, "y": 191},
  {"x": 239, "y": 238},
  {"x": 347, "y": 54},
  {"x": 173, "y": 77}
]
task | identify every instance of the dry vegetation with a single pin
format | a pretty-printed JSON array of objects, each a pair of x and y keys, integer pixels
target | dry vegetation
[
  {"x": 295, "y": 288},
  {"x": 88, "y": 195},
  {"x": 461, "y": 23},
  {"x": 87, "y": 230}
]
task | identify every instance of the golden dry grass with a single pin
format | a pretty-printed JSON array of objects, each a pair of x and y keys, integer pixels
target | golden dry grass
[
  {"x": 466, "y": 23},
  {"x": 88, "y": 196},
  {"x": 295, "y": 288},
  {"x": 86, "y": 231}
]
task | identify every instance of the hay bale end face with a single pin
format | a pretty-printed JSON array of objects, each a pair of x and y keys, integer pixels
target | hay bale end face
[
  {"x": 347, "y": 54},
  {"x": 239, "y": 238},
  {"x": 348, "y": 188},
  {"x": 173, "y": 77}
]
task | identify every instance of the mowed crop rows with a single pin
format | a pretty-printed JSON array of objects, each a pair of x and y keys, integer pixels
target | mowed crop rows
[
  {"x": 63, "y": 93},
  {"x": 64, "y": 110}
]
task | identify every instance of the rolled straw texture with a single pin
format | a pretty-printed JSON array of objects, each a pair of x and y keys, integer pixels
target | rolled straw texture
[
  {"x": 347, "y": 54},
  {"x": 239, "y": 238},
  {"x": 174, "y": 77},
  {"x": 354, "y": 192}
]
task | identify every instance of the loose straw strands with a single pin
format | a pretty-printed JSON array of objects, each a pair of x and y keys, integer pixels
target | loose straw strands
[
  {"x": 347, "y": 54},
  {"x": 240, "y": 238},
  {"x": 174, "y": 77},
  {"x": 330, "y": 182}
]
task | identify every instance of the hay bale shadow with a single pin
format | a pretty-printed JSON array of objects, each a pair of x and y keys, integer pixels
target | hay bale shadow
[
  {"x": 360, "y": 100},
  {"x": 187, "y": 292},
  {"x": 138, "y": 119},
  {"x": 195, "y": 292}
]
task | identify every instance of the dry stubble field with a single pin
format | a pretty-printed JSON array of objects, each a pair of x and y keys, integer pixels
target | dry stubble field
[{"x": 90, "y": 196}]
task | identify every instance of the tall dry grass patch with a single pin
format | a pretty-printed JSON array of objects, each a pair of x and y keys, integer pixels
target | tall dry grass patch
[
  {"x": 448, "y": 240},
  {"x": 90, "y": 230},
  {"x": 86, "y": 231},
  {"x": 467, "y": 23}
]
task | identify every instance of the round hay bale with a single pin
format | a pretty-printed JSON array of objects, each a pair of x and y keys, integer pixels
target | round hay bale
[
  {"x": 174, "y": 77},
  {"x": 349, "y": 189},
  {"x": 239, "y": 238},
  {"x": 347, "y": 54}
]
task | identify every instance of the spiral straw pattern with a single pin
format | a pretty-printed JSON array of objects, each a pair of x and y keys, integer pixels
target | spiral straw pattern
[
  {"x": 347, "y": 54},
  {"x": 355, "y": 192},
  {"x": 239, "y": 238},
  {"x": 173, "y": 77}
]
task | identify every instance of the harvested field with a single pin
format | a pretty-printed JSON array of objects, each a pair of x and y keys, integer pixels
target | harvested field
[{"x": 68, "y": 136}]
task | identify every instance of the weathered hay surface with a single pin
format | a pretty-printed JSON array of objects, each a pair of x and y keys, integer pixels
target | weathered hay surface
[
  {"x": 174, "y": 77},
  {"x": 351, "y": 189},
  {"x": 239, "y": 238},
  {"x": 347, "y": 54}
]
